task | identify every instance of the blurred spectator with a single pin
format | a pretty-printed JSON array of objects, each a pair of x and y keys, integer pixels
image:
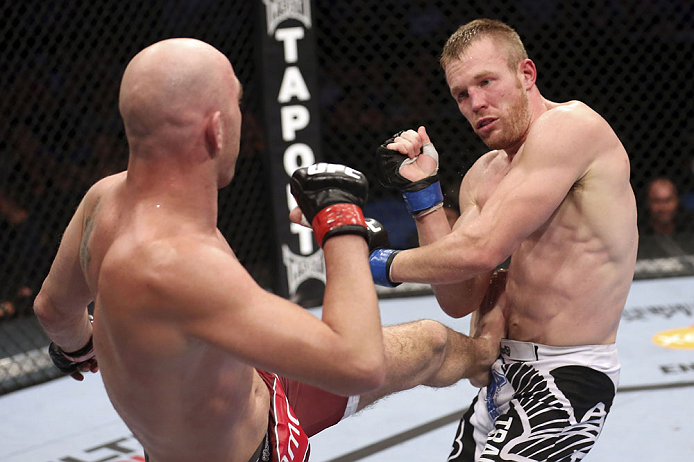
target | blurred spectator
[
  {"x": 665, "y": 228},
  {"x": 664, "y": 215}
]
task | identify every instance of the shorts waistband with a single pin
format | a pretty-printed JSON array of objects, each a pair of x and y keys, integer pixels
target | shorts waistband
[
  {"x": 258, "y": 454},
  {"x": 515, "y": 350}
]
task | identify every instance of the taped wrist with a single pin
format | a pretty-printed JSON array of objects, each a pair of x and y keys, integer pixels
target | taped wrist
[
  {"x": 423, "y": 196},
  {"x": 428, "y": 211},
  {"x": 339, "y": 219},
  {"x": 380, "y": 262}
]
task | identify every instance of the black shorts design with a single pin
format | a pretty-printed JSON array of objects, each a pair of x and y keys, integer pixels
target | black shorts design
[{"x": 544, "y": 404}]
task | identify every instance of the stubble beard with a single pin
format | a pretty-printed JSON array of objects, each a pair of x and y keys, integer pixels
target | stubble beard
[{"x": 516, "y": 123}]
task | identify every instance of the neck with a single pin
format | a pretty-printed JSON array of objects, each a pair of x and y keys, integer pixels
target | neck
[
  {"x": 184, "y": 189},
  {"x": 537, "y": 105}
]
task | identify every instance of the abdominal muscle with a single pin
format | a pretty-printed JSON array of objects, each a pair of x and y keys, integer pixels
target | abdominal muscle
[{"x": 562, "y": 296}]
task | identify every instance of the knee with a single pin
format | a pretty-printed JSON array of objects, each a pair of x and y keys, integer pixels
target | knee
[{"x": 436, "y": 335}]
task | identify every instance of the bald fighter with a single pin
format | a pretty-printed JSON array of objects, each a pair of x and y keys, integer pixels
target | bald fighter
[
  {"x": 553, "y": 193},
  {"x": 200, "y": 362}
]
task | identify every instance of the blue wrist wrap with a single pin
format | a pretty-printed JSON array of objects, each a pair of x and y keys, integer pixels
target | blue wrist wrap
[
  {"x": 416, "y": 201},
  {"x": 380, "y": 261}
]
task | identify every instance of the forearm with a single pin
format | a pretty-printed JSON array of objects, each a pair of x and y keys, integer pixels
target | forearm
[
  {"x": 462, "y": 298},
  {"x": 350, "y": 304},
  {"x": 456, "y": 299},
  {"x": 452, "y": 259},
  {"x": 70, "y": 329},
  {"x": 432, "y": 227}
]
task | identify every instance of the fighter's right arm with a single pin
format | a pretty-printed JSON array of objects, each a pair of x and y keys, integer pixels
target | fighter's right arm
[
  {"x": 61, "y": 304},
  {"x": 456, "y": 299},
  {"x": 202, "y": 291}
]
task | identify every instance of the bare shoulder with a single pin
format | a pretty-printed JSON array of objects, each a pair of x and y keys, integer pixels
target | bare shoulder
[
  {"x": 571, "y": 133},
  {"x": 571, "y": 119},
  {"x": 165, "y": 265},
  {"x": 98, "y": 189},
  {"x": 169, "y": 275},
  {"x": 106, "y": 182},
  {"x": 485, "y": 166}
]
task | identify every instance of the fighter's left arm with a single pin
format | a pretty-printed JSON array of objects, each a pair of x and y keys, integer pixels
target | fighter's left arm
[{"x": 557, "y": 153}]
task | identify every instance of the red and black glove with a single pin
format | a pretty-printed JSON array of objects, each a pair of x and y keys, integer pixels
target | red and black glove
[{"x": 331, "y": 197}]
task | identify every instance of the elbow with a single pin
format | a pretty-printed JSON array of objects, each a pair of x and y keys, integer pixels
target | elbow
[
  {"x": 483, "y": 261},
  {"x": 365, "y": 374},
  {"x": 454, "y": 310},
  {"x": 375, "y": 374},
  {"x": 476, "y": 253},
  {"x": 489, "y": 257},
  {"x": 43, "y": 308}
]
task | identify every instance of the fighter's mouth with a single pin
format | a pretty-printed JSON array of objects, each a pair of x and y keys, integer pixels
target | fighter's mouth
[{"x": 483, "y": 122}]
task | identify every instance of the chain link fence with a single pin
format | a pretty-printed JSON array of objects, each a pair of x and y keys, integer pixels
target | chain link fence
[
  {"x": 61, "y": 64},
  {"x": 60, "y": 72},
  {"x": 629, "y": 60}
]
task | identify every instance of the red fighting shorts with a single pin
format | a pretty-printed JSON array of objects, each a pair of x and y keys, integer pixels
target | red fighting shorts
[{"x": 298, "y": 411}]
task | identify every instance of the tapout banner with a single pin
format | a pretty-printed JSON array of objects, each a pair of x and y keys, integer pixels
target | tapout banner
[{"x": 287, "y": 61}]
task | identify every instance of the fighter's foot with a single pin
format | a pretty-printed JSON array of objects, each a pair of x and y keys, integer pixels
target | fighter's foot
[{"x": 491, "y": 328}]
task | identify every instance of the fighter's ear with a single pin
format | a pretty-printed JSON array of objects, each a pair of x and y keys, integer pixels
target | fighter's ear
[
  {"x": 213, "y": 134},
  {"x": 528, "y": 73}
]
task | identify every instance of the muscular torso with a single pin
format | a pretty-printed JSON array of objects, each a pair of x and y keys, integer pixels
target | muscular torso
[
  {"x": 183, "y": 399},
  {"x": 568, "y": 281}
]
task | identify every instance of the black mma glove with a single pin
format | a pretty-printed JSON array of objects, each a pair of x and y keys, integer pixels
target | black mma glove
[
  {"x": 421, "y": 197},
  {"x": 70, "y": 362},
  {"x": 380, "y": 256},
  {"x": 331, "y": 197}
]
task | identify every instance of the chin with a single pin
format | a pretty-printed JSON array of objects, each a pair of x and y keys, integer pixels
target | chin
[
  {"x": 500, "y": 142},
  {"x": 495, "y": 143}
]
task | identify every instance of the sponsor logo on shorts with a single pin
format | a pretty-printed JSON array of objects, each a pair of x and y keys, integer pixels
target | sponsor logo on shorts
[
  {"x": 679, "y": 339},
  {"x": 493, "y": 389}
]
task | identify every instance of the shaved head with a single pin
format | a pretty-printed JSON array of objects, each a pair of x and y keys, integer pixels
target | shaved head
[
  {"x": 179, "y": 100},
  {"x": 173, "y": 82}
]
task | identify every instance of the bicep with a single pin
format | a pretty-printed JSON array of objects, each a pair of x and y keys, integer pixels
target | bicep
[{"x": 527, "y": 197}]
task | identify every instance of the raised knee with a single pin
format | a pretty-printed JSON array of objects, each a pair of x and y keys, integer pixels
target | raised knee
[{"x": 437, "y": 335}]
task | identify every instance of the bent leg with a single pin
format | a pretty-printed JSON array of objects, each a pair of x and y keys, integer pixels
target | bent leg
[
  {"x": 315, "y": 408},
  {"x": 428, "y": 353}
]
